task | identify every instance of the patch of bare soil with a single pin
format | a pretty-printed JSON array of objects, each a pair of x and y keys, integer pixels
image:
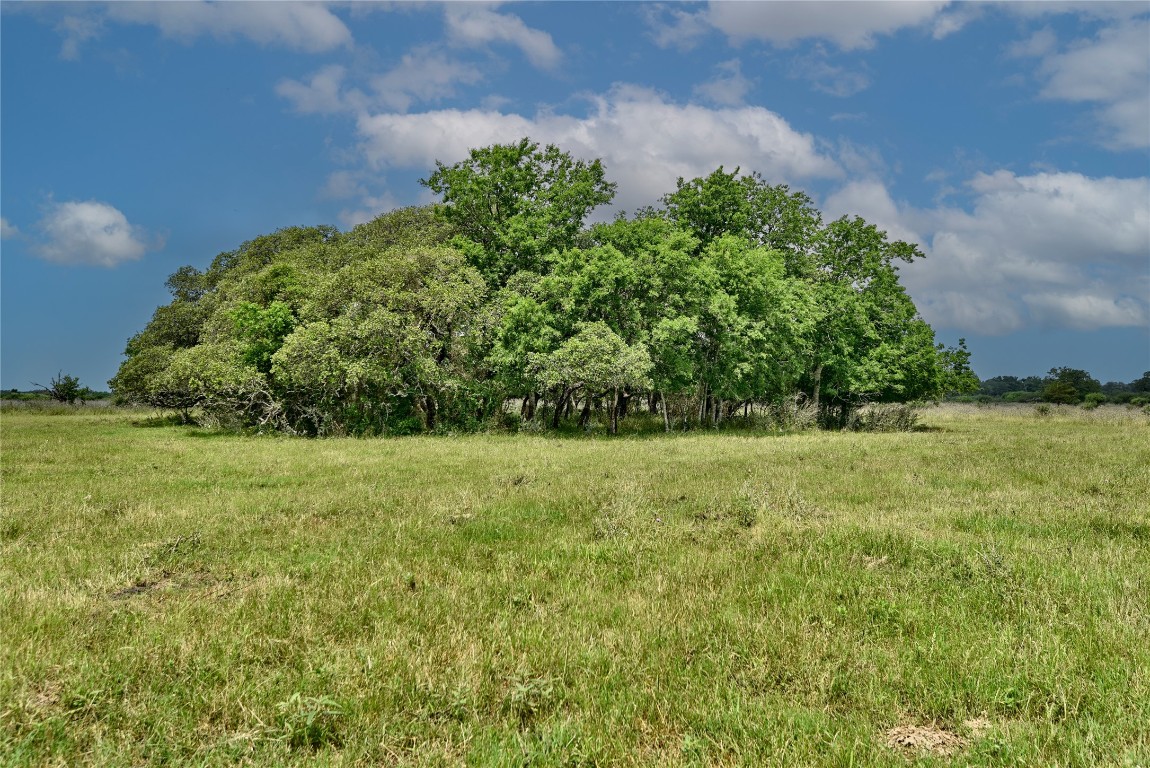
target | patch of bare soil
[
  {"x": 193, "y": 583},
  {"x": 44, "y": 696},
  {"x": 917, "y": 738}
]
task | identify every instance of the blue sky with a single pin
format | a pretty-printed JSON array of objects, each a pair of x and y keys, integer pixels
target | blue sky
[{"x": 1011, "y": 140}]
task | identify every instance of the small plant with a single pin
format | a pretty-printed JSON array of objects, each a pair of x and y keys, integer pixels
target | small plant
[
  {"x": 1042, "y": 410},
  {"x": 1093, "y": 400},
  {"x": 65, "y": 389},
  {"x": 309, "y": 722},
  {"x": 532, "y": 696}
]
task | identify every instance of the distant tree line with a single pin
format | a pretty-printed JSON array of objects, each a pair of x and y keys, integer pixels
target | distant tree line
[
  {"x": 499, "y": 304},
  {"x": 1062, "y": 385}
]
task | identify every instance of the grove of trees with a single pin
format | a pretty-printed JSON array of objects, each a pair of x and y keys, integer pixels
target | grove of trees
[
  {"x": 501, "y": 302},
  {"x": 1066, "y": 386}
]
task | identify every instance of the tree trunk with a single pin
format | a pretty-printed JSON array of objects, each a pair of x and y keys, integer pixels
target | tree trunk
[
  {"x": 585, "y": 416},
  {"x": 818, "y": 385},
  {"x": 429, "y": 413},
  {"x": 615, "y": 411},
  {"x": 666, "y": 416},
  {"x": 559, "y": 403}
]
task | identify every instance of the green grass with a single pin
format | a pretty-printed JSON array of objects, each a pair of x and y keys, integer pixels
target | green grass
[{"x": 170, "y": 595}]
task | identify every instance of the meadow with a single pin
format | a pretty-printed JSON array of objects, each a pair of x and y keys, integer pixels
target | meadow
[{"x": 976, "y": 592}]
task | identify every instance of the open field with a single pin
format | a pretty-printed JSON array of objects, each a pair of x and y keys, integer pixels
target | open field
[{"x": 975, "y": 593}]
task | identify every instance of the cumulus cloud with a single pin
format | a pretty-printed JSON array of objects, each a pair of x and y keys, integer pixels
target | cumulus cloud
[
  {"x": 1049, "y": 250},
  {"x": 850, "y": 25},
  {"x": 644, "y": 140},
  {"x": 90, "y": 232},
  {"x": 826, "y": 77},
  {"x": 423, "y": 74},
  {"x": 729, "y": 88},
  {"x": 1113, "y": 71},
  {"x": 7, "y": 230},
  {"x": 674, "y": 28},
  {"x": 475, "y": 25},
  {"x": 321, "y": 94},
  {"x": 303, "y": 26},
  {"x": 369, "y": 207}
]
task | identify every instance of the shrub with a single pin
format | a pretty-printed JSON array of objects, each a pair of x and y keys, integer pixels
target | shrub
[
  {"x": 1093, "y": 400},
  {"x": 893, "y": 417},
  {"x": 309, "y": 722}
]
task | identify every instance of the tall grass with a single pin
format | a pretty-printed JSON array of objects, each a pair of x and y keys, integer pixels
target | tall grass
[{"x": 972, "y": 593}]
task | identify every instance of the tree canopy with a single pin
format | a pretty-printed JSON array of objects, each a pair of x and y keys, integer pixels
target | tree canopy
[{"x": 734, "y": 293}]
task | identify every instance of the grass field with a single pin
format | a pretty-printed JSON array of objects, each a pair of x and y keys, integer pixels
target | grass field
[{"x": 974, "y": 593}]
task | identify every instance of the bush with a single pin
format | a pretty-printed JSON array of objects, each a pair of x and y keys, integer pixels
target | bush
[
  {"x": 1021, "y": 396},
  {"x": 1093, "y": 400},
  {"x": 894, "y": 417},
  {"x": 794, "y": 414}
]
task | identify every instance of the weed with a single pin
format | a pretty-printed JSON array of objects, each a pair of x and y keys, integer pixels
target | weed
[
  {"x": 309, "y": 722},
  {"x": 531, "y": 697}
]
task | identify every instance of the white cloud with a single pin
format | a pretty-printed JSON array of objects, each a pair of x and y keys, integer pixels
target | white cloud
[
  {"x": 954, "y": 18},
  {"x": 826, "y": 77},
  {"x": 850, "y": 24},
  {"x": 729, "y": 88},
  {"x": 682, "y": 31},
  {"x": 7, "y": 230},
  {"x": 474, "y": 25},
  {"x": 76, "y": 31},
  {"x": 869, "y": 199},
  {"x": 423, "y": 74},
  {"x": 1113, "y": 71},
  {"x": 644, "y": 140},
  {"x": 1048, "y": 249},
  {"x": 91, "y": 233},
  {"x": 303, "y": 26},
  {"x": 342, "y": 185},
  {"x": 321, "y": 94},
  {"x": 370, "y": 207},
  {"x": 1040, "y": 43}
]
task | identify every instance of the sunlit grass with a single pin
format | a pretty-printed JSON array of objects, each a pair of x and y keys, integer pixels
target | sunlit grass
[{"x": 173, "y": 595}]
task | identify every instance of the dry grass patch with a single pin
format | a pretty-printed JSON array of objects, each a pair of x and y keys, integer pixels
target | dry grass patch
[{"x": 930, "y": 739}]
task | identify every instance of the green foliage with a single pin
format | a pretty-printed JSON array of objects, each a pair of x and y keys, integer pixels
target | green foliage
[
  {"x": 957, "y": 377},
  {"x": 309, "y": 722},
  {"x": 517, "y": 203},
  {"x": 262, "y": 331},
  {"x": 1093, "y": 400},
  {"x": 65, "y": 389},
  {"x": 594, "y": 359},
  {"x": 733, "y": 296},
  {"x": 1068, "y": 385},
  {"x": 1061, "y": 392},
  {"x": 1021, "y": 397}
]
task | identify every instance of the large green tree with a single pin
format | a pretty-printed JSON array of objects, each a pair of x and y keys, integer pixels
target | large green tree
[{"x": 516, "y": 204}]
